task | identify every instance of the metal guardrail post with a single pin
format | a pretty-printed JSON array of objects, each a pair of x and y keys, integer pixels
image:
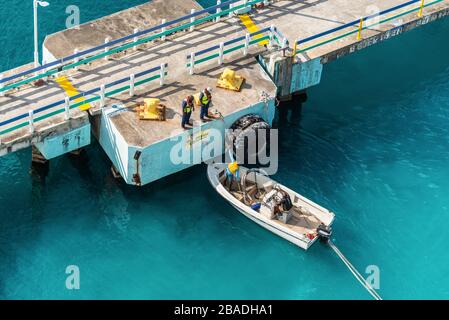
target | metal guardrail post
[
  {"x": 77, "y": 59},
  {"x": 135, "y": 38},
  {"x": 231, "y": 5},
  {"x": 192, "y": 63},
  {"x": 192, "y": 20},
  {"x": 246, "y": 48},
  {"x": 132, "y": 78},
  {"x": 102, "y": 95},
  {"x": 220, "y": 54},
  {"x": 162, "y": 75},
  {"x": 67, "y": 108},
  {"x": 359, "y": 33},
  {"x": 421, "y": 9},
  {"x": 106, "y": 49},
  {"x": 163, "y": 29},
  {"x": 217, "y": 19},
  {"x": 31, "y": 120}
]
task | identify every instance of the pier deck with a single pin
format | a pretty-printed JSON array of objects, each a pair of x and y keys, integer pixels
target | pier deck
[{"x": 294, "y": 19}]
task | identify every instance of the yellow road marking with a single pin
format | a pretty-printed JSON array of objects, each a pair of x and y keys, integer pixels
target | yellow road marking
[
  {"x": 71, "y": 91},
  {"x": 252, "y": 27}
]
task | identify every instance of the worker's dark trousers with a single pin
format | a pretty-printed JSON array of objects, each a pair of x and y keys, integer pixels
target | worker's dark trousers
[
  {"x": 185, "y": 118},
  {"x": 204, "y": 110}
]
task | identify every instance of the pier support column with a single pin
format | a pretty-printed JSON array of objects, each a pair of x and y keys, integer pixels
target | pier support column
[{"x": 39, "y": 164}]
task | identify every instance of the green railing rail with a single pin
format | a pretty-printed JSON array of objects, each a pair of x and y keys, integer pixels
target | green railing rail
[
  {"x": 361, "y": 25},
  {"x": 96, "y": 94}
]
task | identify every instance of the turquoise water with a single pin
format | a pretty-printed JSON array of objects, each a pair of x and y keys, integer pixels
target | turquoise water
[{"x": 372, "y": 145}]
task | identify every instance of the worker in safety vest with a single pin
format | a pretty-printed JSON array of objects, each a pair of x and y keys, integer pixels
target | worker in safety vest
[
  {"x": 205, "y": 100},
  {"x": 232, "y": 171},
  {"x": 187, "y": 108}
]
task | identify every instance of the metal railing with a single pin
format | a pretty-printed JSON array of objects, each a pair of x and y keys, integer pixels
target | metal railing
[
  {"x": 110, "y": 47},
  {"x": 269, "y": 34},
  {"x": 99, "y": 93},
  {"x": 361, "y": 25}
]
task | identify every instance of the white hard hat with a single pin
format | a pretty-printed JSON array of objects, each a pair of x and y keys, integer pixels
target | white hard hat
[{"x": 209, "y": 89}]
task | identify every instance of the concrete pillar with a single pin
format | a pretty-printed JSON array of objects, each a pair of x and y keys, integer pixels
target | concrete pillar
[{"x": 39, "y": 165}]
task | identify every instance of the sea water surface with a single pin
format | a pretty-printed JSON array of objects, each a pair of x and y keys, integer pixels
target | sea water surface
[{"x": 372, "y": 145}]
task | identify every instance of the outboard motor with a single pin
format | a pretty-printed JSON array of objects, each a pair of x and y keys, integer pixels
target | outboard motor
[{"x": 324, "y": 233}]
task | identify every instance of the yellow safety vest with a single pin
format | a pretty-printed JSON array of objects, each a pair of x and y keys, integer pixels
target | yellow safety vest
[
  {"x": 233, "y": 167},
  {"x": 205, "y": 99},
  {"x": 187, "y": 108}
]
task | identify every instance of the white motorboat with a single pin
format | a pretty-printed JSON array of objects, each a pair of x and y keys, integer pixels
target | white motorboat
[{"x": 272, "y": 205}]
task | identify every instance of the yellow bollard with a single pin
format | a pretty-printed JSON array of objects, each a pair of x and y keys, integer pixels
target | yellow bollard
[
  {"x": 295, "y": 50},
  {"x": 359, "y": 34},
  {"x": 420, "y": 12}
]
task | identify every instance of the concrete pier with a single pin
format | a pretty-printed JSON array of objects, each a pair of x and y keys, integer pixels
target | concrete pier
[{"x": 323, "y": 31}]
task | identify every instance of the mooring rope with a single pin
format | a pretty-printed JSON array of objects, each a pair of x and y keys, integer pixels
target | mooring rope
[{"x": 354, "y": 271}]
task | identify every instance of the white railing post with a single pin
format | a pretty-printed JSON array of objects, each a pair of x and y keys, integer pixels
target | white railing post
[
  {"x": 162, "y": 75},
  {"x": 106, "y": 49},
  {"x": 163, "y": 29},
  {"x": 218, "y": 11},
  {"x": 284, "y": 43},
  {"x": 192, "y": 20},
  {"x": 77, "y": 59},
  {"x": 44, "y": 62},
  {"x": 220, "y": 54},
  {"x": 246, "y": 48},
  {"x": 192, "y": 63},
  {"x": 135, "y": 38},
  {"x": 231, "y": 5},
  {"x": 31, "y": 120},
  {"x": 67, "y": 108},
  {"x": 272, "y": 28},
  {"x": 102, "y": 95},
  {"x": 2, "y": 85},
  {"x": 132, "y": 78}
]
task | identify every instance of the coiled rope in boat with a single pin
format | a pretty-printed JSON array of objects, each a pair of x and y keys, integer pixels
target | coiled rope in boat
[{"x": 354, "y": 271}]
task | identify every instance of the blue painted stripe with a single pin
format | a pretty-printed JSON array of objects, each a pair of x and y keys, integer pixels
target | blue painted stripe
[
  {"x": 229, "y": 42},
  {"x": 325, "y": 33},
  {"x": 116, "y": 41},
  {"x": 82, "y": 94}
]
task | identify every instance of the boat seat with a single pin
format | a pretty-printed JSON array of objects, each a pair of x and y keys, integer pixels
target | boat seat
[{"x": 268, "y": 186}]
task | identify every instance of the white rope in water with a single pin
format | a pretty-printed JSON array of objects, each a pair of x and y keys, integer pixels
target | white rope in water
[{"x": 354, "y": 271}]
